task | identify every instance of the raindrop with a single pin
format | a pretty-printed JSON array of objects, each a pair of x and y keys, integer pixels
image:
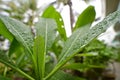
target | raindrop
[
  {"x": 100, "y": 28},
  {"x": 112, "y": 16},
  {"x": 60, "y": 19},
  {"x": 93, "y": 31},
  {"x": 62, "y": 26},
  {"x": 99, "y": 25},
  {"x": 104, "y": 22}
]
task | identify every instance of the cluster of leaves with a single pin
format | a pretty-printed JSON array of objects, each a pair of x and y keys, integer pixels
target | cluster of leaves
[
  {"x": 95, "y": 55},
  {"x": 25, "y": 49},
  {"x": 103, "y": 53}
]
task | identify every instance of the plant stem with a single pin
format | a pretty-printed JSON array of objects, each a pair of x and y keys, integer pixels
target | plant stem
[
  {"x": 5, "y": 71},
  {"x": 71, "y": 14},
  {"x": 24, "y": 74},
  {"x": 17, "y": 69},
  {"x": 51, "y": 73}
]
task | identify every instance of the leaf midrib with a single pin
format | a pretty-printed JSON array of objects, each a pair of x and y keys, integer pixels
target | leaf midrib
[
  {"x": 20, "y": 37},
  {"x": 71, "y": 45},
  {"x": 46, "y": 37}
]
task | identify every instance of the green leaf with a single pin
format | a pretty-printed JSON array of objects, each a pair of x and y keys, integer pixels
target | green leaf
[
  {"x": 57, "y": 46},
  {"x": 8, "y": 62},
  {"x": 95, "y": 45},
  {"x": 77, "y": 41},
  {"x": 72, "y": 40},
  {"x": 39, "y": 55},
  {"x": 14, "y": 47},
  {"x": 60, "y": 75},
  {"x": 46, "y": 28},
  {"x": 4, "y": 32},
  {"x": 81, "y": 67},
  {"x": 51, "y": 12},
  {"x": 86, "y": 17},
  {"x": 20, "y": 31},
  {"x": 87, "y": 54}
]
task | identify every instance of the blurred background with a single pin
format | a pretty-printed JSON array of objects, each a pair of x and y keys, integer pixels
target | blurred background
[{"x": 28, "y": 11}]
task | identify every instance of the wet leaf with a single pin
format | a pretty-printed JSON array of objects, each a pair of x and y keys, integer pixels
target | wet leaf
[
  {"x": 20, "y": 31},
  {"x": 77, "y": 41},
  {"x": 46, "y": 28}
]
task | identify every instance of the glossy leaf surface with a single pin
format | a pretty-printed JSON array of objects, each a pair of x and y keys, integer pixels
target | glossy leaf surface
[
  {"x": 21, "y": 32},
  {"x": 78, "y": 41},
  {"x": 46, "y": 28}
]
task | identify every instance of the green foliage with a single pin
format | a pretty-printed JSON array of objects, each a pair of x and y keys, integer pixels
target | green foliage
[
  {"x": 56, "y": 15},
  {"x": 47, "y": 30},
  {"x": 60, "y": 75},
  {"x": 104, "y": 53},
  {"x": 5, "y": 32},
  {"x": 4, "y": 78},
  {"x": 8, "y": 62},
  {"x": 14, "y": 47},
  {"x": 81, "y": 67},
  {"x": 39, "y": 47},
  {"x": 20, "y": 31},
  {"x": 86, "y": 17},
  {"x": 77, "y": 41},
  {"x": 39, "y": 54}
]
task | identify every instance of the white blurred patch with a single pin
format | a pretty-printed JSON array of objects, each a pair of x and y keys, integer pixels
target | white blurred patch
[
  {"x": 4, "y": 45},
  {"x": 108, "y": 36},
  {"x": 66, "y": 18}
]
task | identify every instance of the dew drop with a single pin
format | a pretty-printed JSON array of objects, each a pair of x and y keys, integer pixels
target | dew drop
[
  {"x": 60, "y": 19},
  {"x": 104, "y": 23}
]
